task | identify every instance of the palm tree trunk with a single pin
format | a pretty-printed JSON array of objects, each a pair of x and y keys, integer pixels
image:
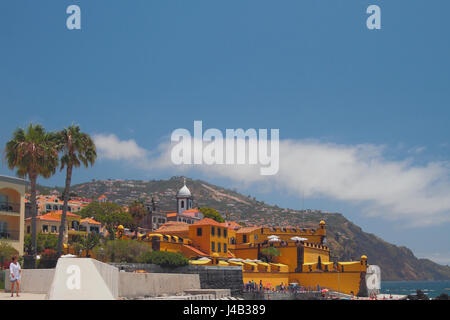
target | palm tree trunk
[
  {"x": 62, "y": 227},
  {"x": 33, "y": 179}
]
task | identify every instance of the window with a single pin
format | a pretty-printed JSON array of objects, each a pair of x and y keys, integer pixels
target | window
[
  {"x": 199, "y": 232},
  {"x": 244, "y": 238},
  {"x": 225, "y": 233},
  {"x": 213, "y": 231},
  {"x": 219, "y": 247},
  {"x": 219, "y": 232},
  {"x": 54, "y": 229},
  {"x": 213, "y": 246},
  {"x": 28, "y": 229},
  {"x": 94, "y": 229},
  {"x": 255, "y": 237},
  {"x": 45, "y": 228},
  {"x": 224, "y": 248},
  {"x": 182, "y": 204}
]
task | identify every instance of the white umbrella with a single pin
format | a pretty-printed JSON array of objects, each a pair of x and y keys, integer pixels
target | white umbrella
[
  {"x": 298, "y": 239},
  {"x": 236, "y": 259},
  {"x": 68, "y": 256},
  {"x": 272, "y": 237},
  {"x": 274, "y": 240},
  {"x": 203, "y": 259}
]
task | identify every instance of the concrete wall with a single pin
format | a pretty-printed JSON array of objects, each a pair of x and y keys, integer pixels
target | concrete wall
[
  {"x": 110, "y": 275},
  {"x": 33, "y": 280},
  {"x": 211, "y": 277},
  {"x": 152, "y": 284}
]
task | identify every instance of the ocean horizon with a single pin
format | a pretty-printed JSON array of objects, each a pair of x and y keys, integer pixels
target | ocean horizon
[{"x": 431, "y": 288}]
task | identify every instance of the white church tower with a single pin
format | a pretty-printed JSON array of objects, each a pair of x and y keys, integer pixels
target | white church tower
[{"x": 184, "y": 199}]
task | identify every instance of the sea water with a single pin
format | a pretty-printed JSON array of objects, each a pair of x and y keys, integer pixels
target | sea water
[{"x": 431, "y": 288}]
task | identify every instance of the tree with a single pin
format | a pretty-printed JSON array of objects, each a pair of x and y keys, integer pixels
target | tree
[
  {"x": 44, "y": 241},
  {"x": 77, "y": 148},
  {"x": 270, "y": 253},
  {"x": 33, "y": 153},
  {"x": 109, "y": 214},
  {"x": 137, "y": 212},
  {"x": 89, "y": 243},
  {"x": 212, "y": 214}
]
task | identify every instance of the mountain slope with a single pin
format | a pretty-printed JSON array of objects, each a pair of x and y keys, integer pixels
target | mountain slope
[{"x": 346, "y": 240}]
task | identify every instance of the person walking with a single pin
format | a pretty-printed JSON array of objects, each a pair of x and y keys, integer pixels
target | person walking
[{"x": 14, "y": 275}]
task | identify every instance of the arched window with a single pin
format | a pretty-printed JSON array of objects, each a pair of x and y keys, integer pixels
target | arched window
[{"x": 182, "y": 204}]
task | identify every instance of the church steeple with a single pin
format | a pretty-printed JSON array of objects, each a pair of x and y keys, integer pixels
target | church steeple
[{"x": 184, "y": 199}]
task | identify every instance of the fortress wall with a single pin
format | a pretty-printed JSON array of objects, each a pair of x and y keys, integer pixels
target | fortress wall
[
  {"x": 33, "y": 280},
  {"x": 134, "y": 285},
  {"x": 344, "y": 282},
  {"x": 268, "y": 278}
]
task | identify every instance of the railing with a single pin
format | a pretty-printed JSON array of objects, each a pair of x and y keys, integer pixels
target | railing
[
  {"x": 9, "y": 206},
  {"x": 9, "y": 234}
]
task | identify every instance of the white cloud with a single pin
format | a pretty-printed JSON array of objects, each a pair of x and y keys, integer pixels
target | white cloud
[
  {"x": 110, "y": 147},
  {"x": 357, "y": 174}
]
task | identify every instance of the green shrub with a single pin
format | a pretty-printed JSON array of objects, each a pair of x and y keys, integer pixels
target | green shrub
[
  {"x": 269, "y": 253},
  {"x": 127, "y": 251},
  {"x": 6, "y": 252},
  {"x": 164, "y": 259}
]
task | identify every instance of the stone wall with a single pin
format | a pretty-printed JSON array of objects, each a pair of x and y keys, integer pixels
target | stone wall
[{"x": 211, "y": 277}]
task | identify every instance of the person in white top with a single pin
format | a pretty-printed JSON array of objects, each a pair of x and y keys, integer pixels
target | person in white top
[{"x": 14, "y": 275}]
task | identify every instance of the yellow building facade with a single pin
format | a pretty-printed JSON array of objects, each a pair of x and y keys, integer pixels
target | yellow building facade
[{"x": 12, "y": 211}]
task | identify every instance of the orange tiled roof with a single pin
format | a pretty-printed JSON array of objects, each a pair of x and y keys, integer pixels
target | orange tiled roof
[
  {"x": 247, "y": 229},
  {"x": 172, "y": 214},
  {"x": 45, "y": 217},
  {"x": 232, "y": 224},
  {"x": 210, "y": 222},
  {"x": 68, "y": 213},
  {"x": 191, "y": 211},
  {"x": 201, "y": 253},
  {"x": 174, "y": 226},
  {"x": 90, "y": 221}
]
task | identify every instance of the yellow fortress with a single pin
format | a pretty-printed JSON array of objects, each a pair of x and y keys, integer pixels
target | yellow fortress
[{"x": 303, "y": 258}]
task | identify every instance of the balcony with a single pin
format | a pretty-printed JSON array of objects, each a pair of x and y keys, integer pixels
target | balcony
[
  {"x": 10, "y": 208},
  {"x": 9, "y": 235}
]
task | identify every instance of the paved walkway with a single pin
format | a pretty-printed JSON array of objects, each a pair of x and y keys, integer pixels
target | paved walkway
[{"x": 22, "y": 296}]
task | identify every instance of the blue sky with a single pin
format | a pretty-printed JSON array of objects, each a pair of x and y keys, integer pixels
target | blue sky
[{"x": 140, "y": 69}]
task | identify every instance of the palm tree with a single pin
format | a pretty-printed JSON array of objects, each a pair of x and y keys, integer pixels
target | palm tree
[
  {"x": 78, "y": 148},
  {"x": 32, "y": 152}
]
